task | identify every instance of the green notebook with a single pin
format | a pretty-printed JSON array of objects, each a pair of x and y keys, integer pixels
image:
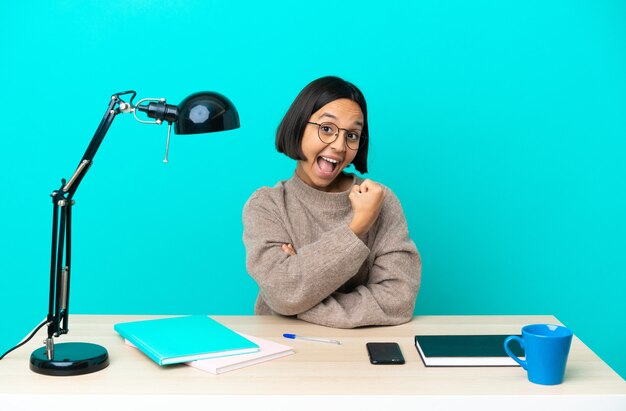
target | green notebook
[{"x": 182, "y": 339}]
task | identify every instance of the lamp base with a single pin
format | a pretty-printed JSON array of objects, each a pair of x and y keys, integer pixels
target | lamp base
[{"x": 72, "y": 358}]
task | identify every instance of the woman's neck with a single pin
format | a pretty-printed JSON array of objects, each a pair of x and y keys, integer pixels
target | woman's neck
[{"x": 340, "y": 184}]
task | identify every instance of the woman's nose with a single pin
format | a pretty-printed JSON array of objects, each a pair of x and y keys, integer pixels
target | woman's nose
[{"x": 340, "y": 143}]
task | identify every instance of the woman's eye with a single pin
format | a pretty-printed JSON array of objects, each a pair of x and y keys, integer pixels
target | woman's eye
[
  {"x": 353, "y": 136},
  {"x": 327, "y": 129}
]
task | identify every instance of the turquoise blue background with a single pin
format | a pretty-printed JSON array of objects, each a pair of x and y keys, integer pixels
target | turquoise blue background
[{"x": 501, "y": 127}]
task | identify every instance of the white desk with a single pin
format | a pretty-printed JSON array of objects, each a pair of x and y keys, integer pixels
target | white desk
[{"x": 320, "y": 375}]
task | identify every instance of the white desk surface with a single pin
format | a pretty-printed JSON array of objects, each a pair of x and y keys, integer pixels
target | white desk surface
[{"x": 318, "y": 374}]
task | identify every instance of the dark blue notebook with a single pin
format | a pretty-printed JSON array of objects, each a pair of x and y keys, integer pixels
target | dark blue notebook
[{"x": 466, "y": 350}]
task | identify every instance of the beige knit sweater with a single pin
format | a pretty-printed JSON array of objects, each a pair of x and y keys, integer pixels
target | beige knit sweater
[{"x": 336, "y": 278}]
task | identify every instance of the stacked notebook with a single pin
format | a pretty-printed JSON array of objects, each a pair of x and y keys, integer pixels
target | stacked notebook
[{"x": 200, "y": 342}]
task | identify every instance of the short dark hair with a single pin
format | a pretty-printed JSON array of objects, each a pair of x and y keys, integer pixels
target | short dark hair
[{"x": 314, "y": 96}]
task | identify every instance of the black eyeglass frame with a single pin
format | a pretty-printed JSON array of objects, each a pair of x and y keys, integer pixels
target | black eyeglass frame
[{"x": 319, "y": 126}]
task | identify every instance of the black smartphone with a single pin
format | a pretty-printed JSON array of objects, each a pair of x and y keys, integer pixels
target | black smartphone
[{"x": 384, "y": 353}]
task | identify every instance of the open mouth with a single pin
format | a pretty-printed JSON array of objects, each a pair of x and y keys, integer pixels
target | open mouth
[{"x": 327, "y": 165}]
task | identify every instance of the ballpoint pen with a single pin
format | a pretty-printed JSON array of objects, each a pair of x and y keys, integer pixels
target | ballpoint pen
[{"x": 299, "y": 337}]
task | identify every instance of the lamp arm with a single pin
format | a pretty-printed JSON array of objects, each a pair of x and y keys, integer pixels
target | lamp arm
[
  {"x": 62, "y": 202},
  {"x": 115, "y": 107}
]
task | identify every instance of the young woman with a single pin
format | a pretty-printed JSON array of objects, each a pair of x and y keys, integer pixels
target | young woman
[{"x": 327, "y": 246}]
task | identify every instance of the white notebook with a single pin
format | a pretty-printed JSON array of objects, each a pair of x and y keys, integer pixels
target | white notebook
[{"x": 268, "y": 350}]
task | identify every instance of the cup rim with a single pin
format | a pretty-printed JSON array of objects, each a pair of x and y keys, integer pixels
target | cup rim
[{"x": 568, "y": 332}]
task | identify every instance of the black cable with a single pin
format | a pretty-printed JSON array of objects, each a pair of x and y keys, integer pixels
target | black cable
[{"x": 32, "y": 334}]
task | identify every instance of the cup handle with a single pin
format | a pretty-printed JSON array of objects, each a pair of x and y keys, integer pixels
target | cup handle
[{"x": 510, "y": 353}]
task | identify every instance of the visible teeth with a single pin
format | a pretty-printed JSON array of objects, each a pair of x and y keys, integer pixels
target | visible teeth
[{"x": 330, "y": 160}]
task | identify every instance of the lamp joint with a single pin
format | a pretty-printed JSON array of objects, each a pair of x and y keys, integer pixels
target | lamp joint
[{"x": 49, "y": 348}]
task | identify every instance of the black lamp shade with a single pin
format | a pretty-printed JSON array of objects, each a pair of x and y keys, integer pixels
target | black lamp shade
[{"x": 206, "y": 112}]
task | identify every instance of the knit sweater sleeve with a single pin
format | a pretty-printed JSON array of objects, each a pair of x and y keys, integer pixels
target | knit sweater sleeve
[
  {"x": 291, "y": 285},
  {"x": 388, "y": 297}
]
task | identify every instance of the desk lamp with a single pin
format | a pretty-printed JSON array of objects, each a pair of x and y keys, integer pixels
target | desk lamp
[{"x": 203, "y": 112}]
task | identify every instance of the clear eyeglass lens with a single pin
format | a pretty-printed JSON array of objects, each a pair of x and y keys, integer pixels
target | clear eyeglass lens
[
  {"x": 353, "y": 139},
  {"x": 328, "y": 132}
]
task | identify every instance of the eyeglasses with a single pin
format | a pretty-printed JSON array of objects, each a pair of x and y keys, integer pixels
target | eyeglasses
[{"x": 329, "y": 132}]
